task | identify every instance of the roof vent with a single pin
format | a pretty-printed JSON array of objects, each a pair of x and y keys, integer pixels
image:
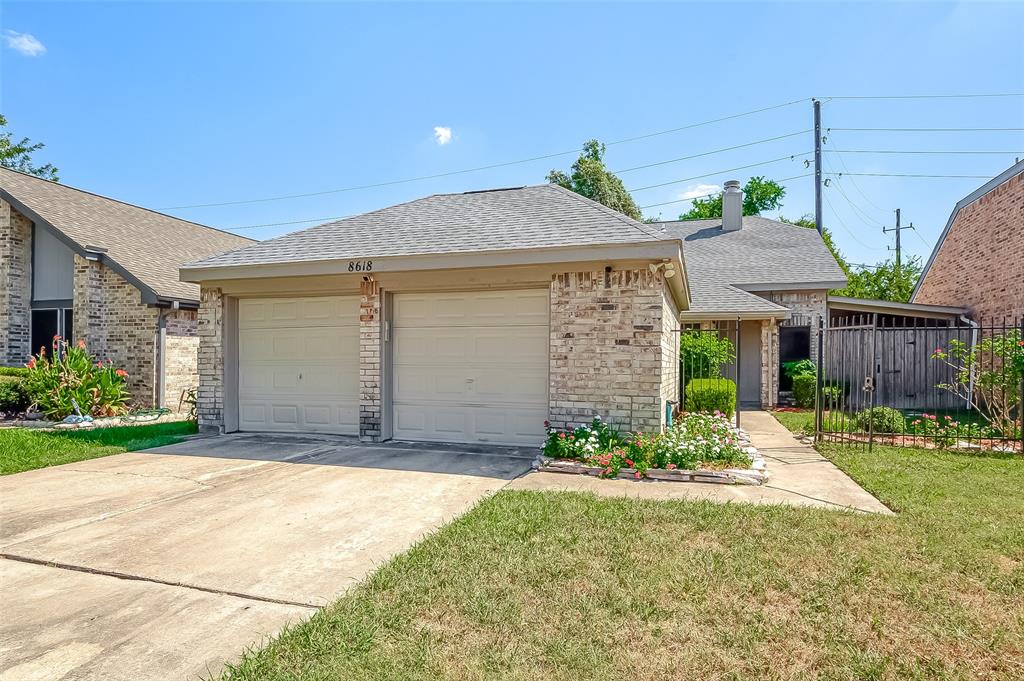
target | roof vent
[{"x": 732, "y": 206}]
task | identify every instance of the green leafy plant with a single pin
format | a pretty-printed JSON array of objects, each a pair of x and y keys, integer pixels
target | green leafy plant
[
  {"x": 804, "y": 388},
  {"x": 881, "y": 420},
  {"x": 988, "y": 376},
  {"x": 14, "y": 397},
  {"x": 946, "y": 431},
  {"x": 702, "y": 354},
  {"x": 70, "y": 376},
  {"x": 800, "y": 367},
  {"x": 19, "y": 372},
  {"x": 711, "y": 395}
]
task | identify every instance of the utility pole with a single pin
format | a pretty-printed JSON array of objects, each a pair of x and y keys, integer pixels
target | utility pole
[
  {"x": 898, "y": 228},
  {"x": 817, "y": 167}
]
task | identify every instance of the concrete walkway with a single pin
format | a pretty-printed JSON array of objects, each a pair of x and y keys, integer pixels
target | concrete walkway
[{"x": 800, "y": 476}]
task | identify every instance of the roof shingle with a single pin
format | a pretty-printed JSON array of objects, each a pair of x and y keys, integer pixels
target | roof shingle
[
  {"x": 541, "y": 216},
  {"x": 151, "y": 246}
]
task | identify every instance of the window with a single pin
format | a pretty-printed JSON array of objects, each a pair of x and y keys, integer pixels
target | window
[{"x": 48, "y": 323}]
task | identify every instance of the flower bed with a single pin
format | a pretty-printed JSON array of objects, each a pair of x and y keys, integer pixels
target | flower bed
[{"x": 697, "y": 447}]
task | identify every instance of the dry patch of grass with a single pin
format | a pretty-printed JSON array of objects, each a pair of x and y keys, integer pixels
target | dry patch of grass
[{"x": 567, "y": 586}]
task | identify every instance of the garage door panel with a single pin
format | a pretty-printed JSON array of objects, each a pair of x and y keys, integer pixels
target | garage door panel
[
  {"x": 471, "y": 367},
  {"x": 299, "y": 364}
]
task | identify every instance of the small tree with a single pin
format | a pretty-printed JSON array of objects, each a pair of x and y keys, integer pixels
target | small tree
[
  {"x": 759, "y": 194},
  {"x": 704, "y": 353},
  {"x": 988, "y": 376},
  {"x": 590, "y": 178},
  {"x": 17, "y": 154}
]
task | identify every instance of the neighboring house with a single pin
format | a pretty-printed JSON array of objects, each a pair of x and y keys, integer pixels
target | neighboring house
[
  {"x": 475, "y": 317},
  {"x": 978, "y": 262},
  {"x": 91, "y": 268}
]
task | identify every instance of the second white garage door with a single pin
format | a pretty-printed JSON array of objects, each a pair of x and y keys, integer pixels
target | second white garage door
[
  {"x": 298, "y": 364},
  {"x": 471, "y": 367}
]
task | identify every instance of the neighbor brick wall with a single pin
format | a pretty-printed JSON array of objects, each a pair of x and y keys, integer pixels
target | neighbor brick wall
[
  {"x": 211, "y": 359},
  {"x": 15, "y": 286},
  {"x": 369, "y": 361},
  {"x": 181, "y": 346},
  {"x": 110, "y": 317},
  {"x": 980, "y": 265},
  {"x": 607, "y": 353}
]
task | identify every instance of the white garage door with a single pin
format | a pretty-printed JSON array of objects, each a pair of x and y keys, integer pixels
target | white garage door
[
  {"x": 298, "y": 364},
  {"x": 471, "y": 367}
]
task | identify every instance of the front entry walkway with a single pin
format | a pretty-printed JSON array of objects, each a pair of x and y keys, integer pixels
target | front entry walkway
[{"x": 800, "y": 476}]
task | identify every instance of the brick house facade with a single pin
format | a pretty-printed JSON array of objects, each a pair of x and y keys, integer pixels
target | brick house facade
[
  {"x": 63, "y": 273},
  {"x": 978, "y": 262}
]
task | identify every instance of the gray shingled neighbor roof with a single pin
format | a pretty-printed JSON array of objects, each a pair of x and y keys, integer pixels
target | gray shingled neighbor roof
[
  {"x": 145, "y": 245},
  {"x": 764, "y": 254},
  {"x": 540, "y": 216}
]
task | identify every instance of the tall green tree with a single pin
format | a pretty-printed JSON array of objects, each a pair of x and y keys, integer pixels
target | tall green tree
[
  {"x": 759, "y": 195},
  {"x": 589, "y": 177},
  {"x": 17, "y": 155},
  {"x": 884, "y": 281}
]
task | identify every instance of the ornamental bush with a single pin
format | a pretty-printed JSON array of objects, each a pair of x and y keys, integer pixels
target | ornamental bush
[
  {"x": 70, "y": 376},
  {"x": 13, "y": 396},
  {"x": 804, "y": 387},
  {"x": 881, "y": 420},
  {"x": 711, "y": 395},
  {"x": 702, "y": 354}
]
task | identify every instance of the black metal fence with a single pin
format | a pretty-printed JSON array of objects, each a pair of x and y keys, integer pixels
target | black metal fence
[
  {"x": 709, "y": 367},
  {"x": 915, "y": 383}
]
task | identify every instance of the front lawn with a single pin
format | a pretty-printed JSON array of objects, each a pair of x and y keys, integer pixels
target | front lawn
[
  {"x": 23, "y": 449},
  {"x": 552, "y": 585}
]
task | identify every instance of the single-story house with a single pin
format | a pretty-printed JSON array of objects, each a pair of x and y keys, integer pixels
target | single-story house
[
  {"x": 476, "y": 317},
  {"x": 87, "y": 267},
  {"x": 978, "y": 262}
]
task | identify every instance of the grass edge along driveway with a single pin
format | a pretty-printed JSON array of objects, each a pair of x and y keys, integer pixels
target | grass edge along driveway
[
  {"x": 565, "y": 586},
  {"x": 25, "y": 449}
]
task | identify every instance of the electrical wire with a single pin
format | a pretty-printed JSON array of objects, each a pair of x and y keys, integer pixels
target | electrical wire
[
  {"x": 856, "y": 186},
  {"x": 969, "y": 177},
  {"x": 704, "y": 196},
  {"x": 914, "y": 151},
  {"x": 719, "y": 172},
  {"x": 709, "y": 153},
  {"x": 828, "y": 130},
  {"x": 842, "y": 223},
  {"x": 486, "y": 167},
  {"x": 973, "y": 96}
]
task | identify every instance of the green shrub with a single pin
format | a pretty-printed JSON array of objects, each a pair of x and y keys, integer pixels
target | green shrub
[
  {"x": 72, "y": 377},
  {"x": 881, "y": 420},
  {"x": 800, "y": 367},
  {"x": 703, "y": 353},
  {"x": 20, "y": 372},
  {"x": 710, "y": 395},
  {"x": 804, "y": 387},
  {"x": 14, "y": 397}
]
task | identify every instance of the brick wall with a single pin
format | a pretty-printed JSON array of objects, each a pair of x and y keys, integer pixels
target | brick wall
[
  {"x": 181, "y": 347},
  {"x": 110, "y": 317},
  {"x": 15, "y": 286},
  {"x": 607, "y": 353},
  {"x": 211, "y": 359},
  {"x": 980, "y": 265},
  {"x": 669, "y": 350},
  {"x": 369, "y": 361}
]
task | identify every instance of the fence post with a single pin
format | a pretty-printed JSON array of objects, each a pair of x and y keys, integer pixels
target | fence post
[
  {"x": 739, "y": 371},
  {"x": 819, "y": 382},
  {"x": 874, "y": 381},
  {"x": 1020, "y": 403}
]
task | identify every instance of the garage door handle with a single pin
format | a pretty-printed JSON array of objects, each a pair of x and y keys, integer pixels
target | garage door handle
[{"x": 300, "y": 377}]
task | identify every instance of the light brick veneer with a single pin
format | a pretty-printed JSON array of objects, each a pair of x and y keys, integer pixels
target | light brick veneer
[
  {"x": 211, "y": 359},
  {"x": 181, "y": 345},
  {"x": 15, "y": 289},
  {"x": 369, "y": 361},
  {"x": 110, "y": 317},
  {"x": 607, "y": 352},
  {"x": 980, "y": 265}
]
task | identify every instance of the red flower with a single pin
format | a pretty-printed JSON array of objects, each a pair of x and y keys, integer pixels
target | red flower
[
  {"x": 121, "y": 372},
  {"x": 31, "y": 363},
  {"x": 99, "y": 364},
  {"x": 561, "y": 435},
  {"x": 638, "y": 475},
  {"x": 81, "y": 344},
  {"x": 671, "y": 466},
  {"x": 56, "y": 337}
]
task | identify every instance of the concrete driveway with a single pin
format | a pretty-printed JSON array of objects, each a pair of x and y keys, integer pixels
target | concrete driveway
[{"x": 162, "y": 564}]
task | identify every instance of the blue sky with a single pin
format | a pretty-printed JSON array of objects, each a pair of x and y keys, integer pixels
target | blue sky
[{"x": 165, "y": 104}]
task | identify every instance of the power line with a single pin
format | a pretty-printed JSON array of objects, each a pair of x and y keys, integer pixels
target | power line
[
  {"x": 704, "y": 196},
  {"x": 856, "y": 186},
  {"x": 970, "y": 177},
  {"x": 971, "y": 96},
  {"x": 927, "y": 129},
  {"x": 914, "y": 151},
  {"x": 485, "y": 167},
  {"x": 845, "y": 228},
  {"x": 709, "y": 153},
  {"x": 719, "y": 172}
]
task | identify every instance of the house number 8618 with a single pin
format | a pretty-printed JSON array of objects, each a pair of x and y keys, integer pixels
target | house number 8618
[{"x": 360, "y": 265}]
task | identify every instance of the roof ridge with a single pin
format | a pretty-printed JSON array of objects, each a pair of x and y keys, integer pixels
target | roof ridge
[
  {"x": 635, "y": 224},
  {"x": 126, "y": 203}
]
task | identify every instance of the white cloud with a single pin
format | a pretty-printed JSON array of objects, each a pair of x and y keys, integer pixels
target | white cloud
[
  {"x": 25, "y": 43},
  {"x": 442, "y": 135},
  {"x": 695, "y": 190}
]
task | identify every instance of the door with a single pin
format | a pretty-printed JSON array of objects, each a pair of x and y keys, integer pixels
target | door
[
  {"x": 471, "y": 367},
  {"x": 298, "y": 364}
]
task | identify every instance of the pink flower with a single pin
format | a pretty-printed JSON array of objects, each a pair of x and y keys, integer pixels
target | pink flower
[
  {"x": 637, "y": 475},
  {"x": 938, "y": 351},
  {"x": 81, "y": 345},
  {"x": 56, "y": 337},
  {"x": 99, "y": 364},
  {"x": 121, "y": 372},
  {"x": 671, "y": 466},
  {"x": 561, "y": 435}
]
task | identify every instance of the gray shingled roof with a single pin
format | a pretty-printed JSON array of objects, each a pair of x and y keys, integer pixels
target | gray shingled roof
[
  {"x": 763, "y": 254},
  {"x": 541, "y": 216},
  {"x": 149, "y": 246}
]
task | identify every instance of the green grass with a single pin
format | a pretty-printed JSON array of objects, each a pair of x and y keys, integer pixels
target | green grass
[
  {"x": 796, "y": 421},
  {"x": 24, "y": 449},
  {"x": 533, "y": 585}
]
